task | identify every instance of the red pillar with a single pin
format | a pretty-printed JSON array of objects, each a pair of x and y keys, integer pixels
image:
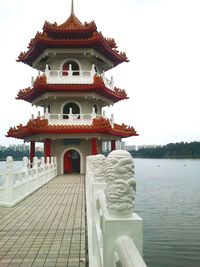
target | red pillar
[
  {"x": 47, "y": 148},
  {"x": 113, "y": 145},
  {"x": 94, "y": 146},
  {"x": 32, "y": 151}
]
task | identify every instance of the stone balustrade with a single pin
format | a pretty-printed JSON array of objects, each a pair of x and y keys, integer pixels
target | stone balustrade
[
  {"x": 75, "y": 77},
  {"x": 70, "y": 76},
  {"x": 115, "y": 232},
  {"x": 17, "y": 185},
  {"x": 70, "y": 119}
]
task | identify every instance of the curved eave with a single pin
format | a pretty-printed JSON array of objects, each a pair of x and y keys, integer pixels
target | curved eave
[
  {"x": 99, "y": 44},
  {"x": 108, "y": 131},
  {"x": 22, "y": 132},
  {"x": 40, "y": 89}
]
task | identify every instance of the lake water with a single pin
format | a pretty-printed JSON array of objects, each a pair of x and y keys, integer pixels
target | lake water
[{"x": 168, "y": 199}]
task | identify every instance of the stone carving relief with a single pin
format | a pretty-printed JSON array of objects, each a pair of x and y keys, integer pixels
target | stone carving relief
[
  {"x": 96, "y": 167},
  {"x": 99, "y": 167},
  {"x": 120, "y": 183}
]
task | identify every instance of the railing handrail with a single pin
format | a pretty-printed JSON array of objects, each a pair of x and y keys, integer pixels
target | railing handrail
[
  {"x": 115, "y": 232},
  {"x": 74, "y": 114},
  {"x": 70, "y": 118},
  {"x": 127, "y": 253},
  {"x": 70, "y": 72},
  {"x": 79, "y": 76},
  {"x": 18, "y": 184}
]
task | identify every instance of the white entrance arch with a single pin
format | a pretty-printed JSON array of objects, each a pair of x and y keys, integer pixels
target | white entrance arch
[{"x": 81, "y": 158}]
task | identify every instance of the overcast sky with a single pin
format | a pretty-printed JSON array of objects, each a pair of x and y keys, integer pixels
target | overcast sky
[{"x": 161, "y": 39}]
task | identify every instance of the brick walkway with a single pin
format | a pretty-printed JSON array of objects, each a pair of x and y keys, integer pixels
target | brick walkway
[{"x": 47, "y": 228}]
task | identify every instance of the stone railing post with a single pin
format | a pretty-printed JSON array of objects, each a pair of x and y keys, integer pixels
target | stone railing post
[
  {"x": 47, "y": 160},
  {"x": 35, "y": 162},
  {"x": 46, "y": 114},
  {"x": 120, "y": 183},
  {"x": 52, "y": 160},
  {"x": 25, "y": 163},
  {"x": 47, "y": 72},
  {"x": 9, "y": 180},
  {"x": 119, "y": 220},
  {"x": 93, "y": 72},
  {"x": 70, "y": 71},
  {"x": 42, "y": 162}
]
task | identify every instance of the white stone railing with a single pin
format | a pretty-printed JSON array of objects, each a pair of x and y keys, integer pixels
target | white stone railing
[
  {"x": 70, "y": 119},
  {"x": 75, "y": 77},
  {"x": 70, "y": 76},
  {"x": 115, "y": 232},
  {"x": 17, "y": 185}
]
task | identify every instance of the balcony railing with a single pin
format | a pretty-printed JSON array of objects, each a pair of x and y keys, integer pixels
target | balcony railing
[
  {"x": 75, "y": 77},
  {"x": 70, "y": 76},
  {"x": 70, "y": 119}
]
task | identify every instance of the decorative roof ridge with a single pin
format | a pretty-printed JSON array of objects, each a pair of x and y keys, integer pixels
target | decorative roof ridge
[
  {"x": 61, "y": 28},
  {"x": 23, "y": 92},
  {"x": 43, "y": 38}
]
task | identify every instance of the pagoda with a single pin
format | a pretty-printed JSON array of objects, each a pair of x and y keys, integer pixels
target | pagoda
[{"x": 71, "y": 86}]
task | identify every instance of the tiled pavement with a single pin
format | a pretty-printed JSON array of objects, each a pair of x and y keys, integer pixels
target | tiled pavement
[{"x": 47, "y": 228}]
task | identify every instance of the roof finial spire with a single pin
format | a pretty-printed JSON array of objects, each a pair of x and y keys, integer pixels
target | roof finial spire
[{"x": 72, "y": 8}]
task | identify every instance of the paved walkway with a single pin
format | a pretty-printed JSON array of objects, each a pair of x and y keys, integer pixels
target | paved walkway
[{"x": 47, "y": 228}]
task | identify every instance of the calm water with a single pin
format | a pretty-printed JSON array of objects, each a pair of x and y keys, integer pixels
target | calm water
[{"x": 168, "y": 199}]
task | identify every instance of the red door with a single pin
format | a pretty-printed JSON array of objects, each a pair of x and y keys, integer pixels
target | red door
[
  {"x": 71, "y": 162},
  {"x": 68, "y": 162}
]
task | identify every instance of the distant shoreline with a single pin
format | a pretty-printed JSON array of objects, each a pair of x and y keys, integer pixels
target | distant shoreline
[{"x": 170, "y": 151}]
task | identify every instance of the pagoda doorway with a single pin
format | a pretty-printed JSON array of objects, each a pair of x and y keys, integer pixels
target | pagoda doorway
[{"x": 71, "y": 162}]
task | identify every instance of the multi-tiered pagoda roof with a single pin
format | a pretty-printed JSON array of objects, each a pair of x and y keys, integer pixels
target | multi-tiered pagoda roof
[{"x": 72, "y": 34}]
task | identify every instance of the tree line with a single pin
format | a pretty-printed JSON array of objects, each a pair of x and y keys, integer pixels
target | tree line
[
  {"x": 17, "y": 155},
  {"x": 172, "y": 150}
]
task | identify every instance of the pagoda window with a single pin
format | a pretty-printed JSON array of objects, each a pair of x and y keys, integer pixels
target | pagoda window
[
  {"x": 74, "y": 68},
  {"x": 71, "y": 108}
]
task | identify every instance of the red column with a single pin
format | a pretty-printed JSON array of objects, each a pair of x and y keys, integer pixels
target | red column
[
  {"x": 113, "y": 145},
  {"x": 94, "y": 146},
  {"x": 32, "y": 151},
  {"x": 47, "y": 148}
]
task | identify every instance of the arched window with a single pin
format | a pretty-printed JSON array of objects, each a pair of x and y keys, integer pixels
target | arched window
[
  {"x": 95, "y": 108},
  {"x": 74, "y": 107},
  {"x": 74, "y": 65}
]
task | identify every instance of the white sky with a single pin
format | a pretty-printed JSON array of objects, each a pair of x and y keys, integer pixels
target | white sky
[{"x": 161, "y": 39}]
